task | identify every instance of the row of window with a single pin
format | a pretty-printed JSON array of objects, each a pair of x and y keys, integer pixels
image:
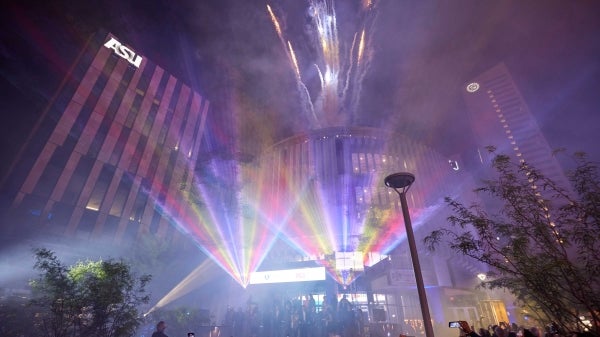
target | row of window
[
  {"x": 72, "y": 171},
  {"x": 295, "y": 162}
]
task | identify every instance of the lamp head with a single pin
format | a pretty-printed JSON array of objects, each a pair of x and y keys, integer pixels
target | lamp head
[{"x": 399, "y": 180}]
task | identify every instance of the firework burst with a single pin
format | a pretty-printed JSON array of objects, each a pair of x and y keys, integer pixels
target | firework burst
[{"x": 340, "y": 65}]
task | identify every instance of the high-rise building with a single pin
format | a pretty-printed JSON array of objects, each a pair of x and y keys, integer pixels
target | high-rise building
[
  {"x": 500, "y": 117},
  {"x": 114, "y": 147},
  {"x": 329, "y": 189},
  {"x": 340, "y": 171}
]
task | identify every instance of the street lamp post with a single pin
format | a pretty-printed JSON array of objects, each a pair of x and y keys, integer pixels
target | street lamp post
[{"x": 401, "y": 182}]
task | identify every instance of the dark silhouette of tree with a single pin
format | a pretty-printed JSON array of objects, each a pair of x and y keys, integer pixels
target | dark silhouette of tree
[
  {"x": 541, "y": 240},
  {"x": 92, "y": 298}
]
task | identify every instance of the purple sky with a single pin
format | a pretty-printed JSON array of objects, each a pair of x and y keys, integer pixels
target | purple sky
[{"x": 422, "y": 54}]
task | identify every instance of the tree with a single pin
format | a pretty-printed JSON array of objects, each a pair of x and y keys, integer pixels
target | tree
[
  {"x": 541, "y": 242},
  {"x": 93, "y": 298}
]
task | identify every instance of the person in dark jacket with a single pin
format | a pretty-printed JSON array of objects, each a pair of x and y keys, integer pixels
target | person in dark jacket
[
  {"x": 466, "y": 328},
  {"x": 160, "y": 329}
]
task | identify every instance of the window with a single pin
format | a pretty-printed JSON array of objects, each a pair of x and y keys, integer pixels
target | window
[
  {"x": 77, "y": 181},
  {"x": 121, "y": 195},
  {"x": 52, "y": 171},
  {"x": 60, "y": 214},
  {"x": 110, "y": 226},
  {"x": 87, "y": 222},
  {"x": 137, "y": 155},
  {"x": 119, "y": 146},
  {"x": 100, "y": 188},
  {"x": 140, "y": 201},
  {"x": 339, "y": 151}
]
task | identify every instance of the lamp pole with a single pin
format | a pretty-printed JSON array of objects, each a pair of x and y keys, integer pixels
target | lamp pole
[{"x": 401, "y": 182}]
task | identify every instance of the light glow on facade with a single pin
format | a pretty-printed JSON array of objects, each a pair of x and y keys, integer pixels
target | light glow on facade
[
  {"x": 288, "y": 275},
  {"x": 124, "y": 52}
]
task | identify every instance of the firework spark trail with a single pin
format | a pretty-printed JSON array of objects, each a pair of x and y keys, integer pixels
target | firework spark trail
[
  {"x": 294, "y": 61},
  {"x": 350, "y": 67},
  {"x": 341, "y": 71},
  {"x": 363, "y": 66},
  {"x": 238, "y": 243},
  {"x": 325, "y": 21},
  {"x": 361, "y": 47},
  {"x": 287, "y": 47},
  {"x": 275, "y": 23},
  {"x": 337, "y": 102},
  {"x": 307, "y": 105},
  {"x": 320, "y": 73},
  {"x": 310, "y": 220},
  {"x": 361, "y": 72}
]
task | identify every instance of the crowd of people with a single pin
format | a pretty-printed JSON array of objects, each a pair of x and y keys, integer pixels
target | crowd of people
[
  {"x": 296, "y": 318},
  {"x": 300, "y": 317},
  {"x": 511, "y": 330}
]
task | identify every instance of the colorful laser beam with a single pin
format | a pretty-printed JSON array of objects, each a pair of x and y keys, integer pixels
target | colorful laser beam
[
  {"x": 193, "y": 280},
  {"x": 215, "y": 214}
]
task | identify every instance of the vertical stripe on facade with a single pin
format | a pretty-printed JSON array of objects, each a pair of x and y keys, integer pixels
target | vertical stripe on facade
[{"x": 125, "y": 142}]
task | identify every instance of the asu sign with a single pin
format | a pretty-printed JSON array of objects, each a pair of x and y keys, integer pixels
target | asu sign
[{"x": 124, "y": 52}]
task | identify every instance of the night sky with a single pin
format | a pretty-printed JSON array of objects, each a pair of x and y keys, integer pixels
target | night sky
[{"x": 421, "y": 53}]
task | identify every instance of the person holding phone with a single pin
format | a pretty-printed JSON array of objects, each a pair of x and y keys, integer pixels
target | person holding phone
[{"x": 466, "y": 328}]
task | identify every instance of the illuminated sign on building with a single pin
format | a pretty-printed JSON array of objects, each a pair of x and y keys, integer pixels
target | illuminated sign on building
[
  {"x": 124, "y": 52},
  {"x": 472, "y": 87},
  {"x": 454, "y": 164},
  {"x": 288, "y": 275}
]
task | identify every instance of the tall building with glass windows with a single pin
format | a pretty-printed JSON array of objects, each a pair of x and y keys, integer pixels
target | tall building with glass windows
[
  {"x": 328, "y": 183},
  {"x": 113, "y": 149},
  {"x": 345, "y": 167},
  {"x": 501, "y": 118}
]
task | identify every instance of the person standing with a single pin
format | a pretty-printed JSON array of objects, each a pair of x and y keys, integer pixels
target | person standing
[
  {"x": 160, "y": 330},
  {"x": 466, "y": 329}
]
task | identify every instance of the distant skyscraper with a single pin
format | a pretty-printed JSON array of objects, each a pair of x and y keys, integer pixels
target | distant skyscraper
[
  {"x": 115, "y": 145},
  {"x": 500, "y": 118}
]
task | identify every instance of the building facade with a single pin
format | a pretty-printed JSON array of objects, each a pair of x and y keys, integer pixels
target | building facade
[
  {"x": 340, "y": 171},
  {"x": 329, "y": 184},
  {"x": 501, "y": 118},
  {"x": 114, "y": 147}
]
